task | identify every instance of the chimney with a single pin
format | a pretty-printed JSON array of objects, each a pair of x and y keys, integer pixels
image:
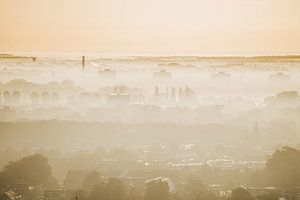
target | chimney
[{"x": 83, "y": 62}]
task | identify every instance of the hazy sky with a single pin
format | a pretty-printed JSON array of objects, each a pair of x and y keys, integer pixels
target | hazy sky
[{"x": 151, "y": 26}]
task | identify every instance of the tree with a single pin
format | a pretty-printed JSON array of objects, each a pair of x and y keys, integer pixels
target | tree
[
  {"x": 157, "y": 189},
  {"x": 282, "y": 168},
  {"x": 52, "y": 183},
  {"x": 91, "y": 179},
  {"x": 240, "y": 194},
  {"x": 74, "y": 179},
  {"x": 134, "y": 194},
  {"x": 198, "y": 191},
  {"x": 80, "y": 194},
  {"x": 33, "y": 169},
  {"x": 113, "y": 189},
  {"x": 267, "y": 196},
  {"x": 98, "y": 191}
]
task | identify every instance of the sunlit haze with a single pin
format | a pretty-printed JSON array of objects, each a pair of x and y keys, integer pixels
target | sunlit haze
[
  {"x": 149, "y": 99},
  {"x": 196, "y": 27}
]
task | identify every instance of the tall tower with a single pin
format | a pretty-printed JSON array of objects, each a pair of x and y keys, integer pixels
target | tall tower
[
  {"x": 173, "y": 94},
  {"x": 83, "y": 62},
  {"x": 156, "y": 92},
  {"x": 180, "y": 94}
]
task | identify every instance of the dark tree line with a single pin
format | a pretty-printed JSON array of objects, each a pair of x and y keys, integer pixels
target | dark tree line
[
  {"x": 281, "y": 171},
  {"x": 33, "y": 169}
]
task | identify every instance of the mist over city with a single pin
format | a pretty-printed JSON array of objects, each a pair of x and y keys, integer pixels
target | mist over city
[{"x": 140, "y": 100}]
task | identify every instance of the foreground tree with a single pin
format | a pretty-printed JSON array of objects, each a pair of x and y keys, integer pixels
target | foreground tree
[
  {"x": 196, "y": 190},
  {"x": 91, "y": 179},
  {"x": 282, "y": 168},
  {"x": 157, "y": 190},
  {"x": 267, "y": 196},
  {"x": 98, "y": 192},
  {"x": 113, "y": 189},
  {"x": 33, "y": 169},
  {"x": 79, "y": 194},
  {"x": 240, "y": 194}
]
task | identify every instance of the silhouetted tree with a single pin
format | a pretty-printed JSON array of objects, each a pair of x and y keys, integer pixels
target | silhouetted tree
[
  {"x": 282, "y": 168},
  {"x": 267, "y": 196},
  {"x": 98, "y": 192},
  {"x": 80, "y": 194},
  {"x": 240, "y": 194},
  {"x": 52, "y": 183},
  {"x": 74, "y": 179},
  {"x": 157, "y": 189},
  {"x": 113, "y": 189},
  {"x": 198, "y": 191},
  {"x": 134, "y": 194},
  {"x": 91, "y": 179},
  {"x": 33, "y": 169}
]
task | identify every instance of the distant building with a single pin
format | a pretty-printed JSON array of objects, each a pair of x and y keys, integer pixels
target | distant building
[
  {"x": 279, "y": 77},
  {"x": 86, "y": 97},
  {"x": 120, "y": 96},
  {"x": 173, "y": 95},
  {"x": 162, "y": 75},
  {"x": 284, "y": 99},
  {"x": 55, "y": 97},
  {"x": 6, "y": 97},
  {"x": 160, "y": 97},
  {"x": 187, "y": 96},
  {"x": 220, "y": 76},
  {"x": 119, "y": 99},
  {"x": 16, "y": 97},
  {"x": 107, "y": 74},
  {"x": 45, "y": 97},
  {"x": 35, "y": 98},
  {"x": 138, "y": 99}
]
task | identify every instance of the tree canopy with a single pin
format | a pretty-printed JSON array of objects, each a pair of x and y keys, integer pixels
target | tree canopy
[
  {"x": 240, "y": 194},
  {"x": 91, "y": 179},
  {"x": 157, "y": 189},
  {"x": 111, "y": 190},
  {"x": 196, "y": 190},
  {"x": 282, "y": 168},
  {"x": 33, "y": 169}
]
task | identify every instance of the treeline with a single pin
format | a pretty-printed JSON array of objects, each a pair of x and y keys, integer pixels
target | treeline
[
  {"x": 281, "y": 171},
  {"x": 156, "y": 189}
]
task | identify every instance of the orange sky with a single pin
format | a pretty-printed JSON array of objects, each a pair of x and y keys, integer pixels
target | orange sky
[{"x": 151, "y": 26}]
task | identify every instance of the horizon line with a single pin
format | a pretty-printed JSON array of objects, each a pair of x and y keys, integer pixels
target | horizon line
[{"x": 141, "y": 55}]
